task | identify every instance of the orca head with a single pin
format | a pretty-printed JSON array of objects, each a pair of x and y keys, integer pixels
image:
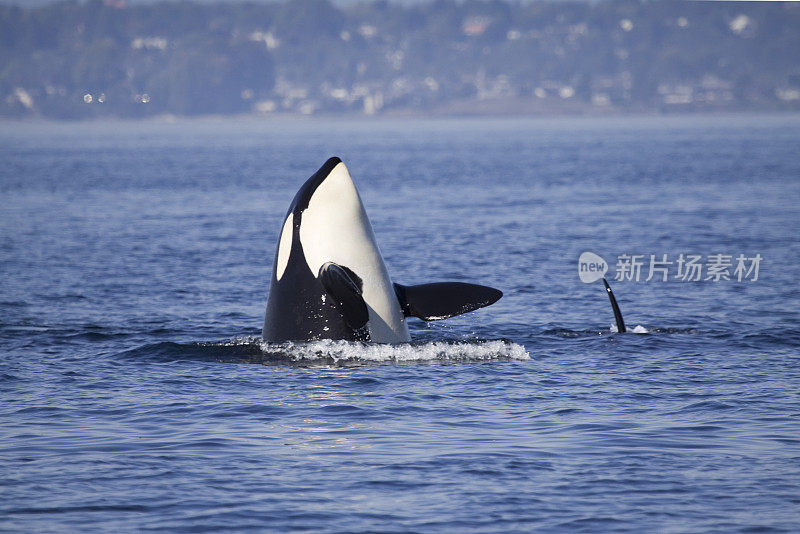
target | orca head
[
  {"x": 327, "y": 223},
  {"x": 325, "y": 220}
]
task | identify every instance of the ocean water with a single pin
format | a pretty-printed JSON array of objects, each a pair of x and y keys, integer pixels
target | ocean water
[{"x": 135, "y": 394}]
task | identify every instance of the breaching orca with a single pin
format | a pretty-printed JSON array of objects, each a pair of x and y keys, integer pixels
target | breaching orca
[{"x": 329, "y": 280}]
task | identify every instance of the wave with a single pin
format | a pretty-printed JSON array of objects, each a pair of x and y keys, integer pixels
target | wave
[
  {"x": 638, "y": 329},
  {"x": 432, "y": 351},
  {"x": 329, "y": 352}
]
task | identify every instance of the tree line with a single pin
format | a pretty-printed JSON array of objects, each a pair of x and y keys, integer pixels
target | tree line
[{"x": 105, "y": 58}]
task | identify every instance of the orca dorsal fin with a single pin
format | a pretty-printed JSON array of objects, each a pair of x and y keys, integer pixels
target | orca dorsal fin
[
  {"x": 614, "y": 306},
  {"x": 441, "y": 300},
  {"x": 344, "y": 287}
]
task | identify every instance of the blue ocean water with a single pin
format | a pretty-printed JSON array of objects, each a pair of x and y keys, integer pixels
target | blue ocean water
[{"x": 135, "y": 395}]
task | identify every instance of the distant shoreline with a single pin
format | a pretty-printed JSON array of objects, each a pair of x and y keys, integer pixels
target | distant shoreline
[
  {"x": 298, "y": 118},
  {"x": 101, "y": 58}
]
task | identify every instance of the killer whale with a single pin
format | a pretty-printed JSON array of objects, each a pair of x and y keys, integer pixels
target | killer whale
[{"x": 329, "y": 280}]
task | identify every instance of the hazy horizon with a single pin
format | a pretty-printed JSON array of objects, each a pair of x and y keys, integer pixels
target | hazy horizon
[
  {"x": 39, "y": 3},
  {"x": 109, "y": 58}
]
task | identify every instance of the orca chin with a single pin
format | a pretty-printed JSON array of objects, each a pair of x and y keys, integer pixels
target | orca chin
[{"x": 329, "y": 280}]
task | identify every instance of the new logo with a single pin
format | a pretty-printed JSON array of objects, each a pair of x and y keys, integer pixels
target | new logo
[{"x": 591, "y": 267}]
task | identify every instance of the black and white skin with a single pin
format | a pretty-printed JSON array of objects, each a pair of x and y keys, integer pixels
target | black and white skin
[{"x": 329, "y": 280}]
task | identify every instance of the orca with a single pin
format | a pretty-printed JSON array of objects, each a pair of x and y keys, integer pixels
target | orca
[{"x": 329, "y": 280}]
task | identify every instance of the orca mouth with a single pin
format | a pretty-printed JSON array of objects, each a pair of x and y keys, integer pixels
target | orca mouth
[{"x": 307, "y": 190}]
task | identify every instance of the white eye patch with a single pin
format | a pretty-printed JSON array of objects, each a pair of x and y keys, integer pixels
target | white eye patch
[{"x": 285, "y": 246}]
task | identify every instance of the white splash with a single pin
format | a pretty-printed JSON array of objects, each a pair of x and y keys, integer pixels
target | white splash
[
  {"x": 435, "y": 351},
  {"x": 638, "y": 329}
]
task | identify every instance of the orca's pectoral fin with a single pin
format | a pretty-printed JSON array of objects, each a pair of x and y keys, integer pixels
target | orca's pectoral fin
[
  {"x": 617, "y": 314},
  {"x": 441, "y": 300},
  {"x": 341, "y": 287}
]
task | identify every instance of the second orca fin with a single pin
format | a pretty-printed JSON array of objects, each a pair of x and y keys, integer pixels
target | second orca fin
[
  {"x": 441, "y": 300},
  {"x": 617, "y": 314},
  {"x": 340, "y": 284}
]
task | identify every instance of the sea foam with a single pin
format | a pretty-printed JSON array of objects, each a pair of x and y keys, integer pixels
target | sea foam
[{"x": 330, "y": 351}]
